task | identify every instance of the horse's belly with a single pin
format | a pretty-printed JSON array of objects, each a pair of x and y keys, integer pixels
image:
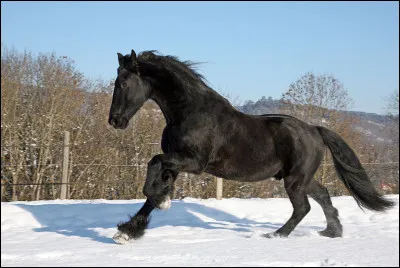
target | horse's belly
[
  {"x": 244, "y": 173},
  {"x": 247, "y": 155}
]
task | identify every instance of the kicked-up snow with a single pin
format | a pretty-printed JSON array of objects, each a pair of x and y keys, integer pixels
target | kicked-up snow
[{"x": 195, "y": 232}]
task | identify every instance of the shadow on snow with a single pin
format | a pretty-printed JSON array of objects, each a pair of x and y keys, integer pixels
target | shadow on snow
[{"x": 83, "y": 219}]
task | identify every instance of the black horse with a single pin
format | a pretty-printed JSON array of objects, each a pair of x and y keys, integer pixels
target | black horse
[{"x": 204, "y": 133}]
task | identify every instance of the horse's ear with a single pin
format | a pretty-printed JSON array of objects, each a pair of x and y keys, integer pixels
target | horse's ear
[
  {"x": 133, "y": 57},
  {"x": 120, "y": 59}
]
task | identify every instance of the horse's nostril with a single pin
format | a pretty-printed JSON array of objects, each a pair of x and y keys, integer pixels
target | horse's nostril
[{"x": 113, "y": 122}]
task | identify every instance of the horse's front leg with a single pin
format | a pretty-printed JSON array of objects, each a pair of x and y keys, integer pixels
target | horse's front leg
[
  {"x": 162, "y": 171},
  {"x": 134, "y": 228}
]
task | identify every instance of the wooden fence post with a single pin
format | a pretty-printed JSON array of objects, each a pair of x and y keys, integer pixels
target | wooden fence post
[
  {"x": 219, "y": 188},
  {"x": 64, "y": 181}
]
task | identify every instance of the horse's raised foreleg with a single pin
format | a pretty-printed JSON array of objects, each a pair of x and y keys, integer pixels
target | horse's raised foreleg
[
  {"x": 320, "y": 194},
  {"x": 162, "y": 171},
  {"x": 296, "y": 190},
  {"x": 134, "y": 228}
]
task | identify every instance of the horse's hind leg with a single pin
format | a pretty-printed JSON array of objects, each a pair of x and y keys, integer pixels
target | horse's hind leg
[
  {"x": 296, "y": 187},
  {"x": 320, "y": 194}
]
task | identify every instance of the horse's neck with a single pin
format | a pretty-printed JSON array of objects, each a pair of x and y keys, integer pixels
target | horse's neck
[
  {"x": 166, "y": 110},
  {"x": 174, "y": 104},
  {"x": 178, "y": 99},
  {"x": 178, "y": 105}
]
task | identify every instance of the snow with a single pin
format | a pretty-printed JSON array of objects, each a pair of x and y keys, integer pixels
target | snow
[{"x": 194, "y": 232}]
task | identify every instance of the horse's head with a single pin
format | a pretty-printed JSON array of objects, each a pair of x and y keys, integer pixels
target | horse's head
[{"x": 130, "y": 91}]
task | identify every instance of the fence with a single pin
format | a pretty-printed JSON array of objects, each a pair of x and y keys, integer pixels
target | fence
[{"x": 65, "y": 182}]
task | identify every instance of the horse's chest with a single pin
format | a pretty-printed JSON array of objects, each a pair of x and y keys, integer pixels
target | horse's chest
[{"x": 174, "y": 139}]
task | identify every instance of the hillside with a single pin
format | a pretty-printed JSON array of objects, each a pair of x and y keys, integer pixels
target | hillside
[{"x": 374, "y": 127}]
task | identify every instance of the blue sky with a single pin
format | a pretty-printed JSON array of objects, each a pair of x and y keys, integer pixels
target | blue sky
[{"x": 251, "y": 49}]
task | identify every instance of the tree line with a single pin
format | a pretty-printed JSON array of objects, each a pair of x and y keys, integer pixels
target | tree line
[{"x": 43, "y": 96}]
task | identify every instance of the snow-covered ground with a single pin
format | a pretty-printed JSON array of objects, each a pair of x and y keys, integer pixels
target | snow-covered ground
[{"x": 194, "y": 232}]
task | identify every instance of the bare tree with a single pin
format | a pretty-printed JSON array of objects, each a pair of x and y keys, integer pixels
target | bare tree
[
  {"x": 46, "y": 95},
  {"x": 392, "y": 103},
  {"x": 392, "y": 149},
  {"x": 322, "y": 100}
]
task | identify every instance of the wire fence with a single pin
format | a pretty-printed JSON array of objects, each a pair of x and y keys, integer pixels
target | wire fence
[
  {"x": 141, "y": 165},
  {"x": 82, "y": 179}
]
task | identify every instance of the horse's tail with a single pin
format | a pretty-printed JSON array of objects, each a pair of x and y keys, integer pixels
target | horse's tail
[{"x": 351, "y": 172}]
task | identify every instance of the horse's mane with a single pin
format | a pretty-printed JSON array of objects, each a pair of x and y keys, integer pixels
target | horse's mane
[{"x": 184, "y": 69}]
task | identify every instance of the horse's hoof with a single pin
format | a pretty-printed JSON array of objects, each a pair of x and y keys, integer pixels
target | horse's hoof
[
  {"x": 272, "y": 235},
  {"x": 122, "y": 238},
  {"x": 331, "y": 233}
]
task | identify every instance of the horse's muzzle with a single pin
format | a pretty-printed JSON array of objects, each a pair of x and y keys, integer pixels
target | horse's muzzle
[{"x": 118, "y": 122}]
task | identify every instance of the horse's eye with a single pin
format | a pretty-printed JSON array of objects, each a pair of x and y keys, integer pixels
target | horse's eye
[
  {"x": 166, "y": 175},
  {"x": 123, "y": 84}
]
